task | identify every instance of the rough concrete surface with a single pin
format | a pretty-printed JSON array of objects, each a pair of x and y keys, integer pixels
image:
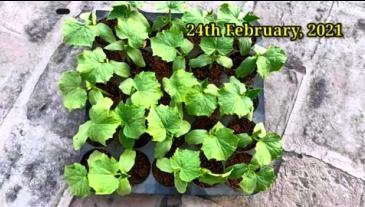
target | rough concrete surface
[{"x": 316, "y": 102}]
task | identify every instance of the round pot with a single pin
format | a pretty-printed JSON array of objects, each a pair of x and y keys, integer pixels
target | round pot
[{"x": 140, "y": 170}]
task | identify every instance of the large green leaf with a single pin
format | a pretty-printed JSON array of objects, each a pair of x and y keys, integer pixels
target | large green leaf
[
  {"x": 105, "y": 32},
  {"x": 133, "y": 30},
  {"x": 229, "y": 13},
  {"x": 102, "y": 174},
  {"x": 200, "y": 103},
  {"x": 257, "y": 181},
  {"x": 246, "y": 67},
  {"x": 76, "y": 178},
  {"x": 262, "y": 155},
  {"x": 277, "y": 57},
  {"x": 163, "y": 121},
  {"x": 94, "y": 67},
  {"x": 77, "y": 33},
  {"x": 74, "y": 97},
  {"x": 101, "y": 126},
  {"x": 144, "y": 89},
  {"x": 178, "y": 85},
  {"x": 164, "y": 165},
  {"x": 186, "y": 163},
  {"x": 127, "y": 160},
  {"x": 196, "y": 16},
  {"x": 232, "y": 99},
  {"x": 220, "y": 144},
  {"x": 133, "y": 120},
  {"x": 274, "y": 144},
  {"x": 221, "y": 45}
]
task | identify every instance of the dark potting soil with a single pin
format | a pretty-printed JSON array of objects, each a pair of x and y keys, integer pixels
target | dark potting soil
[
  {"x": 157, "y": 65},
  {"x": 165, "y": 179},
  {"x": 205, "y": 122},
  {"x": 178, "y": 142},
  {"x": 142, "y": 140},
  {"x": 236, "y": 158},
  {"x": 165, "y": 99},
  {"x": 242, "y": 125},
  {"x": 140, "y": 170},
  {"x": 215, "y": 74},
  {"x": 213, "y": 165}
]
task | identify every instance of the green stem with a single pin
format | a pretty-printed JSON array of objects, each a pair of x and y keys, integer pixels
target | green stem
[
  {"x": 102, "y": 91},
  {"x": 170, "y": 16}
]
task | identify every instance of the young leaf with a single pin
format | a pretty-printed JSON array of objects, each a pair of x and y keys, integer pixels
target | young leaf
[
  {"x": 127, "y": 160},
  {"x": 101, "y": 126},
  {"x": 244, "y": 140},
  {"x": 229, "y": 13},
  {"x": 196, "y": 136},
  {"x": 211, "y": 178},
  {"x": 246, "y": 67},
  {"x": 76, "y": 178},
  {"x": 136, "y": 56},
  {"x": 196, "y": 16},
  {"x": 277, "y": 58},
  {"x": 166, "y": 43},
  {"x": 102, "y": 174},
  {"x": 263, "y": 66},
  {"x": 257, "y": 181},
  {"x": 180, "y": 184},
  {"x": 116, "y": 46},
  {"x": 161, "y": 148},
  {"x": 77, "y": 33},
  {"x": 224, "y": 61},
  {"x": 121, "y": 68},
  {"x": 253, "y": 93},
  {"x": 178, "y": 84},
  {"x": 244, "y": 43},
  {"x": 163, "y": 120},
  {"x": 133, "y": 120},
  {"x": 221, "y": 45},
  {"x": 259, "y": 130},
  {"x": 220, "y": 144},
  {"x": 200, "y": 61},
  {"x": 105, "y": 32},
  {"x": 93, "y": 66},
  {"x": 74, "y": 97},
  {"x": 125, "y": 187},
  {"x": 127, "y": 143},
  {"x": 164, "y": 165},
  {"x": 175, "y": 6},
  {"x": 94, "y": 96},
  {"x": 199, "y": 103},
  {"x": 250, "y": 17},
  {"x": 132, "y": 30},
  {"x": 144, "y": 89},
  {"x": 232, "y": 99},
  {"x": 186, "y": 164},
  {"x": 179, "y": 63},
  {"x": 274, "y": 145},
  {"x": 159, "y": 23},
  {"x": 262, "y": 155},
  {"x": 237, "y": 170},
  {"x": 249, "y": 182}
]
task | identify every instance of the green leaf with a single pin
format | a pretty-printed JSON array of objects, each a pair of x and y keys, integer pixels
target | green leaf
[
  {"x": 121, "y": 68},
  {"x": 159, "y": 23},
  {"x": 116, "y": 46},
  {"x": 249, "y": 182},
  {"x": 94, "y": 96},
  {"x": 161, "y": 148},
  {"x": 186, "y": 46},
  {"x": 263, "y": 66},
  {"x": 128, "y": 143},
  {"x": 244, "y": 140},
  {"x": 163, "y": 120},
  {"x": 232, "y": 99},
  {"x": 237, "y": 170},
  {"x": 136, "y": 56},
  {"x": 262, "y": 155},
  {"x": 196, "y": 16},
  {"x": 178, "y": 84},
  {"x": 180, "y": 185},
  {"x": 186, "y": 163},
  {"x": 133, "y": 30},
  {"x": 211, "y": 178},
  {"x": 246, "y": 67},
  {"x": 259, "y": 130},
  {"x": 244, "y": 43},
  {"x": 165, "y": 44},
  {"x": 102, "y": 125},
  {"x": 121, "y": 10},
  {"x": 93, "y": 66},
  {"x": 220, "y": 145},
  {"x": 250, "y": 17},
  {"x": 124, "y": 187},
  {"x": 277, "y": 57},
  {"x": 144, "y": 89},
  {"x": 105, "y": 32},
  {"x": 179, "y": 63},
  {"x": 199, "y": 103},
  {"x": 196, "y": 136},
  {"x": 176, "y": 6},
  {"x": 221, "y": 45},
  {"x": 133, "y": 120},
  {"x": 253, "y": 93},
  {"x": 201, "y": 61},
  {"x": 273, "y": 144},
  {"x": 224, "y": 61},
  {"x": 74, "y": 97},
  {"x": 102, "y": 174},
  {"x": 127, "y": 160},
  {"x": 77, "y": 33},
  {"x": 229, "y": 13},
  {"x": 76, "y": 178},
  {"x": 164, "y": 165}
]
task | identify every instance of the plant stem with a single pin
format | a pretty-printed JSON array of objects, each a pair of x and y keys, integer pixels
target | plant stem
[
  {"x": 170, "y": 16},
  {"x": 102, "y": 91}
]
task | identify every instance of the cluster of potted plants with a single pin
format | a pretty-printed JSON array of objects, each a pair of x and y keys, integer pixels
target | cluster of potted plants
[{"x": 192, "y": 97}]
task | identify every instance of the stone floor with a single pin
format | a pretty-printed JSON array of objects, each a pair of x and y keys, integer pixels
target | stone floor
[{"x": 317, "y": 103}]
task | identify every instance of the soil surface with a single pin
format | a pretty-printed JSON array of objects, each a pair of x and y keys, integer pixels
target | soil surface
[
  {"x": 140, "y": 170},
  {"x": 236, "y": 158},
  {"x": 142, "y": 140},
  {"x": 213, "y": 165},
  {"x": 205, "y": 122},
  {"x": 157, "y": 65},
  {"x": 178, "y": 142},
  {"x": 165, "y": 179}
]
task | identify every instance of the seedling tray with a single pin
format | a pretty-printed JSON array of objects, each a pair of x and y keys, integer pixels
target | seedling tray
[{"x": 150, "y": 185}]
